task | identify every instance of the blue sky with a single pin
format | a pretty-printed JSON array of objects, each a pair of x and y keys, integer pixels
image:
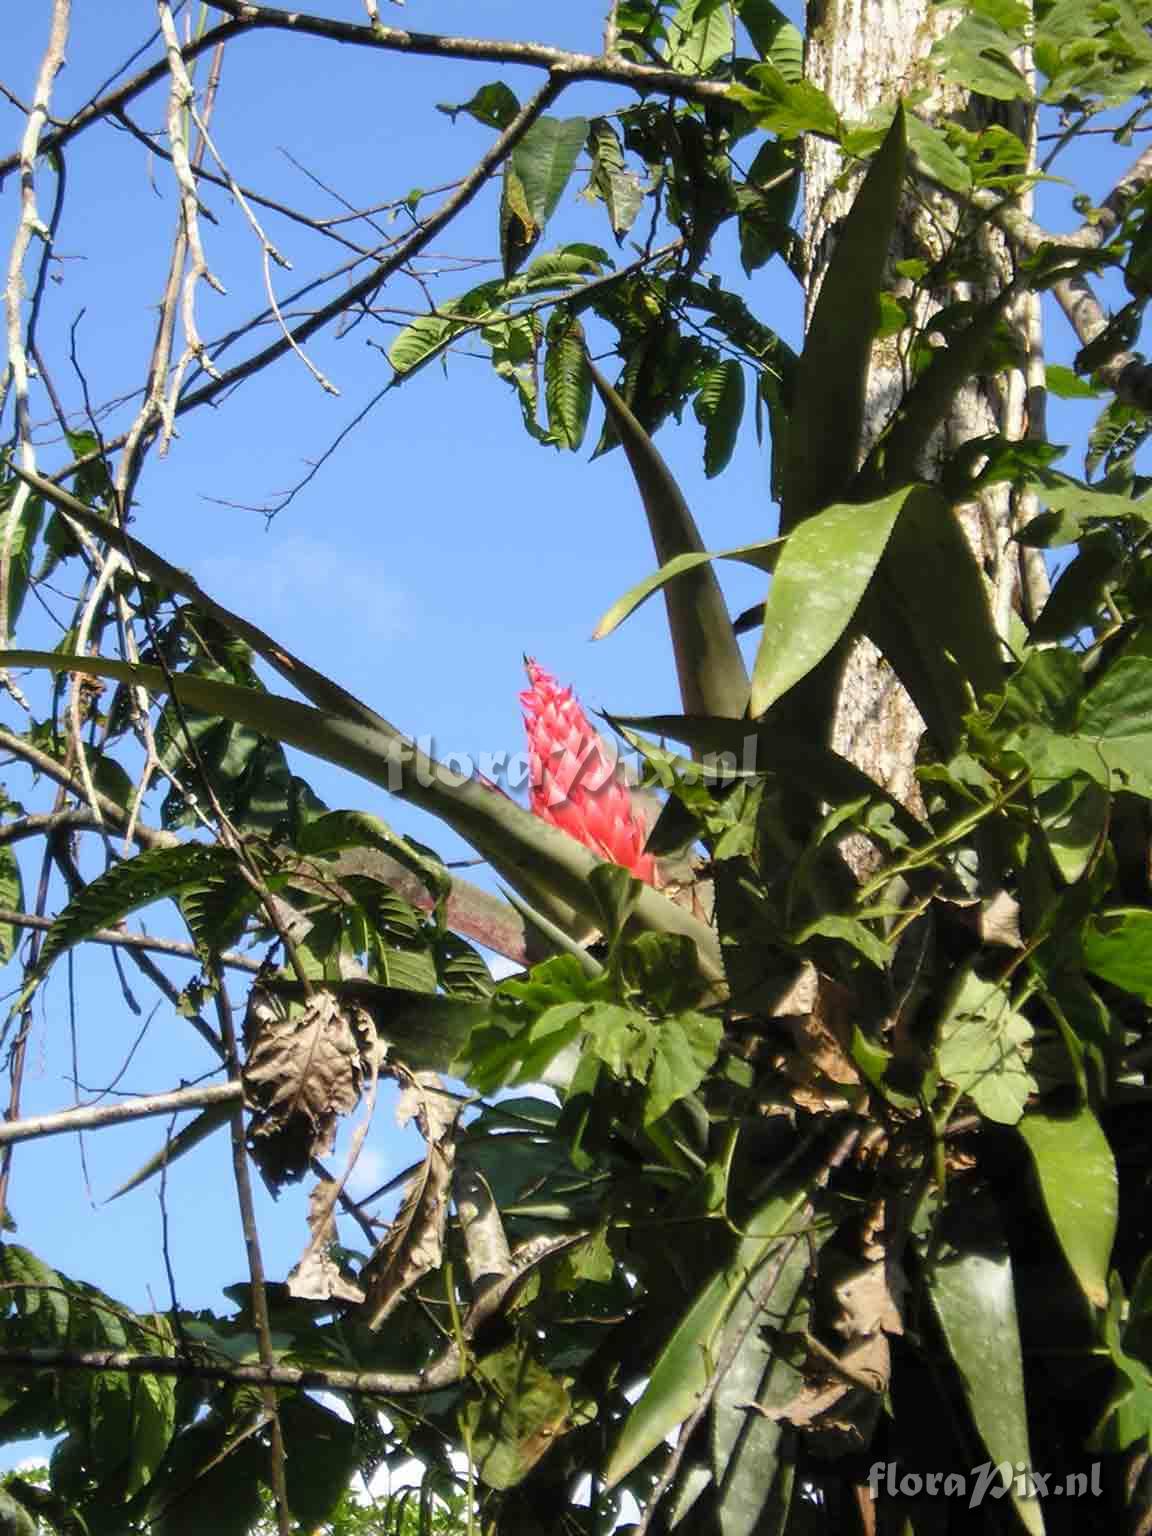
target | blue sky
[{"x": 437, "y": 547}]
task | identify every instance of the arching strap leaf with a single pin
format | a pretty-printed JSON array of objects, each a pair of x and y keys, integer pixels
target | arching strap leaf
[
  {"x": 713, "y": 680},
  {"x": 538, "y": 859},
  {"x": 826, "y": 426}
]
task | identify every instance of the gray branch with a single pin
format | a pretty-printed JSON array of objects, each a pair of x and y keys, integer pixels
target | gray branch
[{"x": 93, "y": 1117}]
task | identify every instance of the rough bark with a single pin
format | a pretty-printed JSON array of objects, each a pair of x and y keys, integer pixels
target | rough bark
[{"x": 863, "y": 53}]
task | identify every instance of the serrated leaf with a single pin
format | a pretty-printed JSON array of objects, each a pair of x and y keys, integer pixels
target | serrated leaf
[
  {"x": 12, "y": 897},
  {"x": 719, "y": 408},
  {"x": 535, "y": 175},
  {"x": 154, "y": 875},
  {"x": 821, "y": 576},
  {"x": 1077, "y": 1175},
  {"x": 567, "y": 382},
  {"x": 774, "y": 37}
]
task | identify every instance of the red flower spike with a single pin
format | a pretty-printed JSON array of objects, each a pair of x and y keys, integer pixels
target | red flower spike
[{"x": 573, "y": 783}]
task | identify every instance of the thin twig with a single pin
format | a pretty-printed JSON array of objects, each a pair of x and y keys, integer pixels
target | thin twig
[
  {"x": 259, "y": 1296},
  {"x": 176, "y": 948}
]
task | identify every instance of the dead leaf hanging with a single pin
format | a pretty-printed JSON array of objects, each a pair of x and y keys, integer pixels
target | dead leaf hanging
[{"x": 306, "y": 1067}]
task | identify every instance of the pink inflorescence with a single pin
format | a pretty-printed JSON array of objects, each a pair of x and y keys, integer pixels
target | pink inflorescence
[{"x": 573, "y": 784}]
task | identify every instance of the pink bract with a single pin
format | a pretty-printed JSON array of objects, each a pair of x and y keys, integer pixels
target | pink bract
[{"x": 573, "y": 783}]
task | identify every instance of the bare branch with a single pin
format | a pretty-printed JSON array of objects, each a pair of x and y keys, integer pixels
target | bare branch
[{"x": 95, "y": 1116}]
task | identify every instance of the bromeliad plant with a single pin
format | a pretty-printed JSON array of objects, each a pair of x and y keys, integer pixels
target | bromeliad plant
[{"x": 845, "y": 1164}]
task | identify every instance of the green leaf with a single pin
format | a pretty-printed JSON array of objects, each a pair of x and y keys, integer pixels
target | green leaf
[
  {"x": 786, "y": 107},
  {"x": 943, "y": 653},
  {"x": 320, "y": 1458},
  {"x": 1074, "y": 814},
  {"x": 720, "y": 409},
  {"x": 620, "y": 189},
  {"x": 12, "y": 897},
  {"x": 567, "y": 382},
  {"x": 493, "y": 105},
  {"x": 210, "y": 1481},
  {"x": 774, "y": 37},
  {"x": 741, "y": 746},
  {"x": 430, "y": 335},
  {"x": 936, "y": 157},
  {"x": 154, "y": 875},
  {"x": 686, "y": 1049},
  {"x": 535, "y": 176},
  {"x": 762, "y": 556},
  {"x": 14, "y": 1518},
  {"x": 898, "y": 455},
  {"x": 699, "y": 36},
  {"x": 18, "y": 534},
  {"x": 821, "y": 575},
  {"x": 826, "y": 426},
  {"x": 982, "y": 1049},
  {"x": 196, "y": 1131},
  {"x": 746, "y": 1443},
  {"x": 977, "y": 54},
  {"x": 1077, "y": 1175},
  {"x": 1065, "y": 384},
  {"x": 153, "y": 1410},
  {"x": 972, "y": 1294},
  {"x": 522, "y": 1410},
  {"x": 1128, "y": 1415},
  {"x": 1075, "y": 601},
  {"x": 684, "y": 1367},
  {"x": 1117, "y": 944},
  {"x": 709, "y": 665}
]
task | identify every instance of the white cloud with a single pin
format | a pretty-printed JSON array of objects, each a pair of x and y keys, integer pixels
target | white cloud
[{"x": 299, "y": 578}]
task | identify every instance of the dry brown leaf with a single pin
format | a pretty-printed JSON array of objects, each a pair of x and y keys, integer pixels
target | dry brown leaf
[
  {"x": 317, "y": 1277},
  {"x": 305, "y": 1068},
  {"x": 414, "y": 1244}
]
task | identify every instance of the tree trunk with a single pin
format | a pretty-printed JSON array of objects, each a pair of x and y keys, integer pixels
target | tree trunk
[{"x": 862, "y": 53}]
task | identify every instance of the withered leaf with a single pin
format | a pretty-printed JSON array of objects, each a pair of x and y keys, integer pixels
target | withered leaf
[
  {"x": 306, "y": 1067},
  {"x": 414, "y": 1244},
  {"x": 317, "y": 1276}
]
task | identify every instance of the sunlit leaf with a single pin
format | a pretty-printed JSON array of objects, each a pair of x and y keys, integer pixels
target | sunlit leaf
[
  {"x": 821, "y": 576},
  {"x": 1077, "y": 1175}
]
